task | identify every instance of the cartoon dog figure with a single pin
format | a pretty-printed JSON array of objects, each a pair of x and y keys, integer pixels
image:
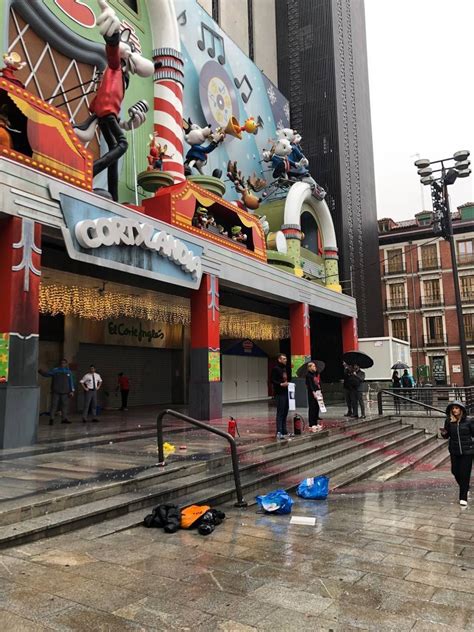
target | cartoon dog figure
[{"x": 122, "y": 60}]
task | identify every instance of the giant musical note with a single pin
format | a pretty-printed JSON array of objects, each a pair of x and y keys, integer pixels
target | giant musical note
[
  {"x": 238, "y": 84},
  {"x": 182, "y": 18},
  {"x": 211, "y": 51}
]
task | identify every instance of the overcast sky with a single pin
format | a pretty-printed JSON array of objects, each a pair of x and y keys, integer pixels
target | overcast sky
[{"x": 422, "y": 95}]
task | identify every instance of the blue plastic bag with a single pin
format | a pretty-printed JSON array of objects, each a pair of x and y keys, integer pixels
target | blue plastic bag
[
  {"x": 277, "y": 502},
  {"x": 315, "y": 488}
]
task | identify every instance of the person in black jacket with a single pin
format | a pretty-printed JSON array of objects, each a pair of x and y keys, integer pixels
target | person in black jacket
[
  {"x": 313, "y": 386},
  {"x": 279, "y": 379},
  {"x": 459, "y": 429},
  {"x": 347, "y": 390}
]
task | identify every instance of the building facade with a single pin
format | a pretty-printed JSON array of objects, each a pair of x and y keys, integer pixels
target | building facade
[
  {"x": 175, "y": 282},
  {"x": 418, "y": 293},
  {"x": 315, "y": 51}
]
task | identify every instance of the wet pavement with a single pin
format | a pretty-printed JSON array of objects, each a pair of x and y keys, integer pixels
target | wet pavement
[
  {"x": 394, "y": 560},
  {"x": 121, "y": 445}
]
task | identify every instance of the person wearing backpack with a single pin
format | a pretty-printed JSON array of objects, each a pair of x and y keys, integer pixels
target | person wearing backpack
[{"x": 407, "y": 380}]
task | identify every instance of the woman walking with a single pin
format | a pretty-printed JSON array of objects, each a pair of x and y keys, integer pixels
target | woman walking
[
  {"x": 459, "y": 429},
  {"x": 313, "y": 385},
  {"x": 396, "y": 386}
]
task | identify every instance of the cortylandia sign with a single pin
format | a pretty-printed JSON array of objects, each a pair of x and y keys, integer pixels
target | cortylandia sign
[{"x": 116, "y": 231}]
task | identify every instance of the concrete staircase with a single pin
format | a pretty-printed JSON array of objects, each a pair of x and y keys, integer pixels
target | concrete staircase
[{"x": 379, "y": 449}]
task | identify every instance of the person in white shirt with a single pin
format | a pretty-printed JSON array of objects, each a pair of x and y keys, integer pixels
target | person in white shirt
[{"x": 91, "y": 383}]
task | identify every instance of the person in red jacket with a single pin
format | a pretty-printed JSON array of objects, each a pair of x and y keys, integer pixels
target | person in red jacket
[{"x": 123, "y": 385}]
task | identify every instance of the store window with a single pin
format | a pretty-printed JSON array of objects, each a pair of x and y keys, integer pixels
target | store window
[
  {"x": 429, "y": 257},
  {"x": 465, "y": 250},
  {"x": 438, "y": 370},
  {"x": 397, "y": 295},
  {"x": 467, "y": 287},
  {"x": 400, "y": 328},
  {"x": 434, "y": 329},
  {"x": 395, "y": 260}
]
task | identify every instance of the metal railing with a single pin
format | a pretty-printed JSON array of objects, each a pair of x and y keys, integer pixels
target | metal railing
[
  {"x": 429, "y": 264},
  {"x": 435, "y": 341},
  {"x": 465, "y": 259},
  {"x": 430, "y": 399},
  {"x": 467, "y": 297},
  {"x": 200, "y": 424},
  {"x": 396, "y": 304},
  {"x": 432, "y": 301}
]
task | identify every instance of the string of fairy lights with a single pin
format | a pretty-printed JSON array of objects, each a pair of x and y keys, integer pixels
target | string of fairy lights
[{"x": 89, "y": 303}]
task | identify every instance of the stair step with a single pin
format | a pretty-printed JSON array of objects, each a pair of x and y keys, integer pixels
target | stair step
[{"x": 427, "y": 452}]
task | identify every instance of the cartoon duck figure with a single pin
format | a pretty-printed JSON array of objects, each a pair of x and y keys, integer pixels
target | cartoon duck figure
[
  {"x": 200, "y": 219},
  {"x": 238, "y": 235}
]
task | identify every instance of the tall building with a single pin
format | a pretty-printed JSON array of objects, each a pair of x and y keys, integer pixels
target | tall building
[
  {"x": 315, "y": 51},
  {"x": 418, "y": 293},
  {"x": 322, "y": 69}
]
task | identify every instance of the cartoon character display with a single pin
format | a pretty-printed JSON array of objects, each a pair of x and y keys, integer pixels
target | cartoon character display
[
  {"x": 13, "y": 64},
  {"x": 238, "y": 235},
  {"x": 195, "y": 136},
  {"x": 122, "y": 60},
  {"x": 248, "y": 201},
  {"x": 200, "y": 219},
  {"x": 289, "y": 162},
  {"x": 156, "y": 154}
]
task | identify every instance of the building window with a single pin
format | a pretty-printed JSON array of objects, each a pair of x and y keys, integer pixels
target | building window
[
  {"x": 395, "y": 260},
  {"x": 468, "y": 327},
  {"x": 400, "y": 328},
  {"x": 215, "y": 11},
  {"x": 429, "y": 257},
  {"x": 465, "y": 250},
  {"x": 131, "y": 4},
  {"x": 467, "y": 288},
  {"x": 432, "y": 293},
  {"x": 434, "y": 329},
  {"x": 397, "y": 295}
]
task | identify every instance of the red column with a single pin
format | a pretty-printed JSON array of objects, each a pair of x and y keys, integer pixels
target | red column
[
  {"x": 350, "y": 339},
  {"x": 205, "y": 388},
  {"x": 20, "y": 261},
  {"x": 299, "y": 335}
]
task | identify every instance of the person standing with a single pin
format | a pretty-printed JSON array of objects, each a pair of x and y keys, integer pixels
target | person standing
[
  {"x": 91, "y": 383},
  {"x": 123, "y": 385},
  {"x": 459, "y": 429},
  {"x": 62, "y": 389},
  {"x": 407, "y": 380},
  {"x": 357, "y": 386},
  {"x": 279, "y": 379},
  {"x": 396, "y": 386},
  {"x": 347, "y": 389},
  {"x": 313, "y": 386}
]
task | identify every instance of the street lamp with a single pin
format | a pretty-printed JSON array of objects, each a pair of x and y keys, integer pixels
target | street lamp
[{"x": 442, "y": 224}]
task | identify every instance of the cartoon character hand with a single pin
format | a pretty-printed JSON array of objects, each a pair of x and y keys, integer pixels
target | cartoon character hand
[
  {"x": 304, "y": 162},
  {"x": 107, "y": 21},
  {"x": 217, "y": 137},
  {"x": 137, "y": 115}
]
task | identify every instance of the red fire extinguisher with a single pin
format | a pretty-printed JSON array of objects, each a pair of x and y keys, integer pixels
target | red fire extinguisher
[
  {"x": 298, "y": 424},
  {"x": 232, "y": 427}
]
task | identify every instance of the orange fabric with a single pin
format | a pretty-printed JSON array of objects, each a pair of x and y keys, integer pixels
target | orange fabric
[
  {"x": 5, "y": 138},
  {"x": 190, "y": 514}
]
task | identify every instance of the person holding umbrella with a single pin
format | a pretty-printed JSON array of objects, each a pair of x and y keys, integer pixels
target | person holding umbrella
[
  {"x": 313, "y": 386},
  {"x": 357, "y": 360},
  {"x": 459, "y": 429}
]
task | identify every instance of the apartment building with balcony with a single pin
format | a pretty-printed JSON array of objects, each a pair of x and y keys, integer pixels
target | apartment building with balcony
[{"x": 418, "y": 292}]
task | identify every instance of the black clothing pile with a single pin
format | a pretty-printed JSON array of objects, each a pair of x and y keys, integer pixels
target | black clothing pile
[{"x": 164, "y": 516}]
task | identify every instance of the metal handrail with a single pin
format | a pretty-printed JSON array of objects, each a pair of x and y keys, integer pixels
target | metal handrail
[
  {"x": 405, "y": 399},
  {"x": 200, "y": 424}
]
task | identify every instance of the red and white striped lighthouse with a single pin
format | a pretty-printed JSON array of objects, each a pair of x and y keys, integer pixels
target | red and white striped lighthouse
[{"x": 169, "y": 81}]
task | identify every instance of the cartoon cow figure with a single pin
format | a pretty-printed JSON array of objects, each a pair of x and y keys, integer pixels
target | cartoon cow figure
[
  {"x": 195, "y": 136},
  {"x": 122, "y": 60}
]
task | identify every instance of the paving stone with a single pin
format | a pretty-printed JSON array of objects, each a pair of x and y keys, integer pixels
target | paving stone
[
  {"x": 153, "y": 613},
  {"x": 426, "y": 611},
  {"x": 292, "y": 598},
  {"x": 80, "y": 618},
  {"x": 248, "y": 610},
  {"x": 367, "y": 618},
  {"x": 11, "y": 622},
  {"x": 398, "y": 586},
  {"x": 441, "y": 581}
]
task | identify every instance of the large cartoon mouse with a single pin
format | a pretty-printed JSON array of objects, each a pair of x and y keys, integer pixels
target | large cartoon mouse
[
  {"x": 195, "y": 136},
  {"x": 122, "y": 60},
  {"x": 299, "y": 170}
]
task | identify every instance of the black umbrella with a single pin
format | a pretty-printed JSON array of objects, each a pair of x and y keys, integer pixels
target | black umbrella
[
  {"x": 320, "y": 365},
  {"x": 359, "y": 358},
  {"x": 400, "y": 365}
]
